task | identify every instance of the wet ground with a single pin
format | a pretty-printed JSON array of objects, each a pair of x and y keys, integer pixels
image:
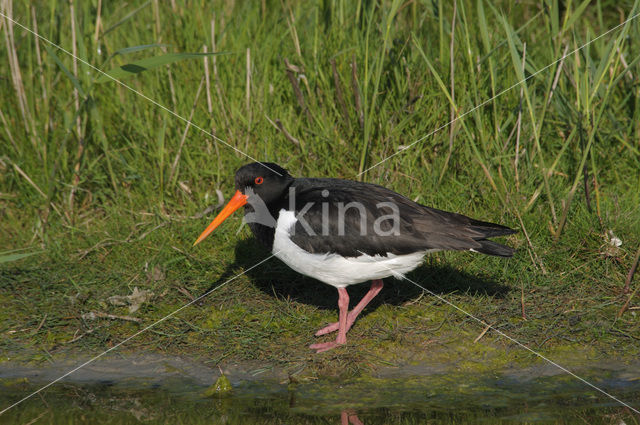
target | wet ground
[{"x": 156, "y": 389}]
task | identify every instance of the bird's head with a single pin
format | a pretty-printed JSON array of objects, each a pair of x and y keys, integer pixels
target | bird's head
[{"x": 264, "y": 180}]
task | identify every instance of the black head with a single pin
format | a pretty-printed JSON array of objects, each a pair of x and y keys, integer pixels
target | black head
[{"x": 265, "y": 179}]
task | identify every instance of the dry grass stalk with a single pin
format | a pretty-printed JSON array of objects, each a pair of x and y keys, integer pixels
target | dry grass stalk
[
  {"x": 296, "y": 88},
  {"x": 76, "y": 101},
  {"x": 484, "y": 331},
  {"x": 587, "y": 191},
  {"x": 278, "y": 124},
  {"x": 221, "y": 100},
  {"x": 186, "y": 130},
  {"x": 625, "y": 307},
  {"x": 632, "y": 271},
  {"x": 28, "y": 179},
  {"x": 43, "y": 87},
  {"x": 558, "y": 71},
  {"x": 356, "y": 92},
  {"x": 98, "y": 22},
  {"x": 156, "y": 14},
  {"x": 186, "y": 293},
  {"x": 292, "y": 28},
  {"x": 625, "y": 64},
  {"x": 524, "y": 315},
  {"x": 519, "y": 126},
  {"x": 248, "y": 97},
  {"x": 248, "y": 83},
  {"x": 16, "y": 75},
  {"x": 44, "y": 318},
  {"x": 339, "y": 95},
  {"x": 98, "y": 314},
  {"x": 213, "y": 46},
  {"x": 207, "y": 81},
  {"x": 6, "y": 127},
  {"x": 35, "y": 186},
  {"x": 452, "y": 112}
]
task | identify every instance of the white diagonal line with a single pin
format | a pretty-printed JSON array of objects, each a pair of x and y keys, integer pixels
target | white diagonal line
[
  {"x": 175, "y": 114},
  {"x": 404, "y": 148},
  {"x": 134, "y": 335},
  {"x": 512, "y": 339}
]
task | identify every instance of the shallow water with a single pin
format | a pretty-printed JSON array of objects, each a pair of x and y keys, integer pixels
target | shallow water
[{"x": 172, "y": 392}]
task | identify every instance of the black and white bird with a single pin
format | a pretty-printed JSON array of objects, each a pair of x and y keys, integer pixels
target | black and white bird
[{"x": 343, "y": 232}]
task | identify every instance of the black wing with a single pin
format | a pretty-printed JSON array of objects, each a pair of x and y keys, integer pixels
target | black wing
[{"x": 350, "y": 218}]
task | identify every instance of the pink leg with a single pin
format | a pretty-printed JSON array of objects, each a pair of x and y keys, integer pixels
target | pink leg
[
  {"x": 343, "y": 306},
  {"x": 376, "y": 287},
  {"x": 354, "y": 419},
  {"x": 347, "y": 416}
]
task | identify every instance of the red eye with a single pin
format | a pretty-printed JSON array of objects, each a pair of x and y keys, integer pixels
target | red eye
[{"x": 259, "y": 180}]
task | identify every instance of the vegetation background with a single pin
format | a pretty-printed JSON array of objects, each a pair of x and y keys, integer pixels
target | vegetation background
[{"x": 105, "y": 185}]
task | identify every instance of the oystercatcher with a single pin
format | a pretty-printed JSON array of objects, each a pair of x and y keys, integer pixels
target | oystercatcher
[{"x": 343, "y": 232}]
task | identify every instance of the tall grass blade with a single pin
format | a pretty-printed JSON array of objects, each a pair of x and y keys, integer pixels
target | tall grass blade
[
  {"x": 126, "y": 18},
  {"x": 8, "y": 258},
  {"x": 66, "y": 71},
  {"x": 134, "y": 68}
]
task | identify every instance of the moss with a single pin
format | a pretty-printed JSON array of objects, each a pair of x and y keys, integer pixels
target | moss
[{"x": 221, "y": 388}]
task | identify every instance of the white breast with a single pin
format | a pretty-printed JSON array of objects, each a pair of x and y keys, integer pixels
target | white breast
[{"x": 335, "y": 269}]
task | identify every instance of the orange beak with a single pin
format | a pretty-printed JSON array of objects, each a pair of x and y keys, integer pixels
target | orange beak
[{"x": 238, "y": 200}]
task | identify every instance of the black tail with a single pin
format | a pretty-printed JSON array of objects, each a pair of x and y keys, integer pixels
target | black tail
[
  {"x": 490, "y": 230},
  {"x": 494, "y": 248}
]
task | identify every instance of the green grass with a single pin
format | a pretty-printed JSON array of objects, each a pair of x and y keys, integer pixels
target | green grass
[{"x": 105, "y": 187}]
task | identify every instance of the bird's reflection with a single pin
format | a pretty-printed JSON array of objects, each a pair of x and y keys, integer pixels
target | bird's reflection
[{"x": 349, "y": 416}]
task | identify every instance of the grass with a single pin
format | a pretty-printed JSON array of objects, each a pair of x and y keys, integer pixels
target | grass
[{"x": 105, "y": 187}]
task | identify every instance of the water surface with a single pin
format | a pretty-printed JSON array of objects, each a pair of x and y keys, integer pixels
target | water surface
[{"x": 170, "y": 390}]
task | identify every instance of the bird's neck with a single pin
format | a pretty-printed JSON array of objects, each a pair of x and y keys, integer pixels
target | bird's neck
[{"x": 264, "y": 228}]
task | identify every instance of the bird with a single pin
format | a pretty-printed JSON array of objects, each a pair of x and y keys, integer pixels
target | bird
[{"x": 345, "y": 232}]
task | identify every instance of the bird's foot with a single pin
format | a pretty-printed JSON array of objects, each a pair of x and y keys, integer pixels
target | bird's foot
[
  {"x": 349, "y": 416},
  {"x": 328, "y": 329},
  {"x": 332, "y": 327},
  {"x": 325, "y": 346}
]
